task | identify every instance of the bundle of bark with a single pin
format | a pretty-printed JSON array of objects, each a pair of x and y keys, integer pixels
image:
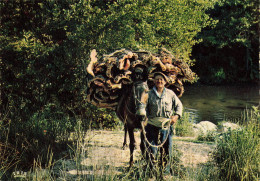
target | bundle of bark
[{"x": 111, "y": 74}]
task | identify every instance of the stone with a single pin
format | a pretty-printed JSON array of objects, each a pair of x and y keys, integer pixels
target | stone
[{"x": 204, "y": 127}]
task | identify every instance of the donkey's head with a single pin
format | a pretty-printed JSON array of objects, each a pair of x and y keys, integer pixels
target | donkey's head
[
  {"x": 141, "y": 98},
  {"x": 140, "y": 90}
]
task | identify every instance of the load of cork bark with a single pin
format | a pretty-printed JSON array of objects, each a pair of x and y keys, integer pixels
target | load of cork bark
[{"x": 108, "y": 75}]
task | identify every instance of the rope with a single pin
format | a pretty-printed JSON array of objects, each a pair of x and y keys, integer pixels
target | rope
[
  {"x": 156, "y": 146},
  {"x": 144, "y": 132},
  {"x": 142, "y": 124},
  {"x": 165, "y": 122},
  {"x": 160, "y": 122},
  {"x": 150, "y": 144}
]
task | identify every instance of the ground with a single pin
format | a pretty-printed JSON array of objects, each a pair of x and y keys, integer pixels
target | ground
[{"x": 103, "y": 149}]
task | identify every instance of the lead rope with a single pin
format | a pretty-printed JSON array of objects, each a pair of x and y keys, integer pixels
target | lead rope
[
  {"x": 135, "y": 97},
  {"x": 150, "y": 144},
  {"x": 156, "y": 146}
]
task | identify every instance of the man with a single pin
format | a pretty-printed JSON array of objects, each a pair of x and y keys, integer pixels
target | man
[{"x": 163, "y": 110}]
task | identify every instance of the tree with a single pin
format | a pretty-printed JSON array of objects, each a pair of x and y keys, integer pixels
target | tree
[
  {"x": 45, "y": 48},
  {"x": 144, "y": 25},
  {"x": 46, "y": 44},
  {"x": 229, "y": 52}
]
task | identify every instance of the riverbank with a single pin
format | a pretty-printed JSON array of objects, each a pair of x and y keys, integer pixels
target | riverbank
[
  {"x": 105, "y": 156},
  {"x": 106, "y": 146},
  {"x": 99, "y": 156}
]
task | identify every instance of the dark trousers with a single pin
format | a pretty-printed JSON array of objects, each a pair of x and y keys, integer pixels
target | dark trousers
[{"x": 156, "y": 136}]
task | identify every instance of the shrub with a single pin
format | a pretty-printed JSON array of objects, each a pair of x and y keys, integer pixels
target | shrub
[
  {"x": 209, "y": 136},
  {"x": 184, "y": 126},
  {"x": 203, "y": 172},
  {"x": 237, "y": 152},
  {"x": 47, "y": 129},
  {"x": 52, "y": 123},
  {"x": 8, "y": 153}
]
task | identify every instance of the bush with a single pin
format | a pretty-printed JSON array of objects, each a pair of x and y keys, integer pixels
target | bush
[
  {"x": 8, "y": 153},
  {"x": 47, "y": 129},
  {"x": 184, "y": 126},
  {"x": 209, "y": 136},
  {"x": 237, "y": 152},
  {"x": 51, "y": 124}
]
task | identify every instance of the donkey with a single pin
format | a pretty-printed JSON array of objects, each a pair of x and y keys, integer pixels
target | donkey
[{"x": 131, "y": 109}]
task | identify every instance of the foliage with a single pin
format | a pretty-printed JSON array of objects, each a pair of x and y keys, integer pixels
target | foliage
[
  {"x": 184, "y": 126},
  {"x": 52, "y": 124},
  {"x": 149, "y": 25},
  {"x": 48, "y": 129},
  {"x": 237, "y": 152},
  {"x": 205, "y": 171},
  {"x": 100, "y": 118},
  {"x": 231, "y": 47},
  {"x": 209, "y": 136},
  {"x": 44, "y": 57},
  {"x": 9, "y": 155},
  {"x": 45, "y": 47}
]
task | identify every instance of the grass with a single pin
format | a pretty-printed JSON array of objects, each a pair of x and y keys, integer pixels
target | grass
[
  {"x": 184, "y": 126},
  {"x": 235, "y": 157},
  {"x": 237, "y": 152},
  {"x": 204, "y": 172},
  {"x": 8, "y": 154},
  {"x": 195, "y": 140},
  {"x": 210, "y": 136}
]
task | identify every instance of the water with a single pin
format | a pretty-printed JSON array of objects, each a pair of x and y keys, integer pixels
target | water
[{"x": 215, "y": 103}]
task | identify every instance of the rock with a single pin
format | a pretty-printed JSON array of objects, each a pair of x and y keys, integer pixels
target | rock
[
  {"x": 225, "y": 126},
  {"x": 204, "y": 127}
]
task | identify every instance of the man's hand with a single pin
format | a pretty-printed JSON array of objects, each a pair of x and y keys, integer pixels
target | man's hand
[
  {"x": 144, "y": 120},
  {"x": 174, "y": 119}
]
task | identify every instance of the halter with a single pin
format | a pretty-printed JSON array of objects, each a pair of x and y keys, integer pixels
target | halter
[
  {"x": 142, "y": 106},
  {"x": 142, "y": 122}
]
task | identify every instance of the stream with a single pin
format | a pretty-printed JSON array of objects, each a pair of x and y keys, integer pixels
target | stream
[{"x": 215, "y": 103}]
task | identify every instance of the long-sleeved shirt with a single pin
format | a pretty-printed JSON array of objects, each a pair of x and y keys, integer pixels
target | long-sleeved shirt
[{"x": 165, "y": 106}]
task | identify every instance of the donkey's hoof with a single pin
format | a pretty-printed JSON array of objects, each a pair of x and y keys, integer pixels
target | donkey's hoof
[
  {"x": 124, "y": 146},
  {"x": 131, "y": 163}
]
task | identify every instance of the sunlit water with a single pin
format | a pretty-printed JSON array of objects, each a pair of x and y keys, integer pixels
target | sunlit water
[{"x": 215, "y": 103}]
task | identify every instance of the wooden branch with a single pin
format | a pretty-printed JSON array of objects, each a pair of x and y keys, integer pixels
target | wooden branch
[
  {"x": 93, "y": 58},
  {"x": 111, "y": 72}
]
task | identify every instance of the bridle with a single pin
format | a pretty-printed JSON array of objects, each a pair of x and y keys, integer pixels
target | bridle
[{"x": 143, "y": 121}]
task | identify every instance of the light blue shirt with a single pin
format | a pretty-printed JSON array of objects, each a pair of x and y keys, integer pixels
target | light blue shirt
[{"x": 166, "y": 105}]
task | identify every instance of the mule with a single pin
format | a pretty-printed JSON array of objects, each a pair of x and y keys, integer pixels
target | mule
[{"x": 131, "y": 110}]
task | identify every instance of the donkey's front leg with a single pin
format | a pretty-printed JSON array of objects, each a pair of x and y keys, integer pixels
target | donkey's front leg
[
  {"x": 131, "y": 145},
  {"x": 125, "y": 137}
]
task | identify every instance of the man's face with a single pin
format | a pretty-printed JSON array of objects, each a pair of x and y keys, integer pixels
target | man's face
[{"x": 159, "y": 81}]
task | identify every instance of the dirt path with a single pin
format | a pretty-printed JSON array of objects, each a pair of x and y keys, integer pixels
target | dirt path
[{"x": 103, "y": 149}]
